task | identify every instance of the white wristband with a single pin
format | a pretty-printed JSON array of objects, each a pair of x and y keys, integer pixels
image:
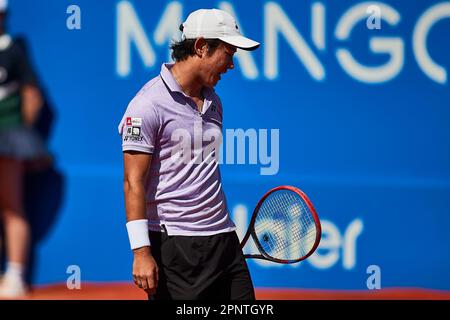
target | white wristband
[{"x": 138, "y": 233}]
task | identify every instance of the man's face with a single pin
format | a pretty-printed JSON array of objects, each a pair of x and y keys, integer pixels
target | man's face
[{"x": 216, "y": 63}]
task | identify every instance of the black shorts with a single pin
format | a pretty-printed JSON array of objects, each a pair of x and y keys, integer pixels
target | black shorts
[{"x": 201, "y": 267}]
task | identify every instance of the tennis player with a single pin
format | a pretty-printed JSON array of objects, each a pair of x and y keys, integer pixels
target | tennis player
[{"x": 184, "y": 242}]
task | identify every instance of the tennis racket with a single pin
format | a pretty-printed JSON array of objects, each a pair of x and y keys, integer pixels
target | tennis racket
[{"x": 284, "y": 226}]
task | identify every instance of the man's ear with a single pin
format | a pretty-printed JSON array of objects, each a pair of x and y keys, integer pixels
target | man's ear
[{"x": 200, "y": 47}]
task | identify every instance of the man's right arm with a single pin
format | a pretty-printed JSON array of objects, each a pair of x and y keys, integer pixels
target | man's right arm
[{"x": 136, "y": 167}]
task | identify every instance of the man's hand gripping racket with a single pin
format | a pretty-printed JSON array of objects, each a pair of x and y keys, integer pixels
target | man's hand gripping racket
[{"x": 284, "y": 226}]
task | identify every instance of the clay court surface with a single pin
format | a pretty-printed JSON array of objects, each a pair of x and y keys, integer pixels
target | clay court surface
[{"x": 127, "y": 291}]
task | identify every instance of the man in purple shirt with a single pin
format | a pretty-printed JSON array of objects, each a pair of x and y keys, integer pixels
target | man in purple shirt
[{"x": 184, "y": 242}]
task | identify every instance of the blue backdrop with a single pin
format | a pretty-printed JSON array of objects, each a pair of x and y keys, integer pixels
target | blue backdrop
[{"x": 361, "y": 104}]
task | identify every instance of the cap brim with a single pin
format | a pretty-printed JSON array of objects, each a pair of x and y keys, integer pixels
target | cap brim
[{"x": 241, "y": 42}]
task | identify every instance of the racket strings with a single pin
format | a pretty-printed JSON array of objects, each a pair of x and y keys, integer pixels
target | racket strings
[
  {"x": 279, "y": 244},
  {"x": 285, "y": 247},
  {"x": 297, "y": 213},
  {"x": 284, "y": 226}
]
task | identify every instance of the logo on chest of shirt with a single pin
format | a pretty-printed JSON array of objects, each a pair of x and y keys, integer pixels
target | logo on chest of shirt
[{"x": 214, "y": 116}]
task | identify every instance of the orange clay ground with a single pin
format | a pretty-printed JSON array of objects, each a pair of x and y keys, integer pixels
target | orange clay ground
[{"x": 127, "y": 291}]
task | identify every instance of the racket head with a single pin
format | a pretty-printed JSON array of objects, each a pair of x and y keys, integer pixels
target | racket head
[{"x": 285, "y": 226}]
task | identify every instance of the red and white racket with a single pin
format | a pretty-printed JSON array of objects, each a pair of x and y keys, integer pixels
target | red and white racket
[{"x": 284, "y": 226}]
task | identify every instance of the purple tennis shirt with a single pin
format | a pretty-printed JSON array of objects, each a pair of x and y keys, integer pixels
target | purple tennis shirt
[{"x": 183, "y": 189}]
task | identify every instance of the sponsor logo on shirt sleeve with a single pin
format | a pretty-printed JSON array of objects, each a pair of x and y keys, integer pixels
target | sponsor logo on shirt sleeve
[
  {"x": 134, "y": 131},
  {"x": 134, "y": 121}
]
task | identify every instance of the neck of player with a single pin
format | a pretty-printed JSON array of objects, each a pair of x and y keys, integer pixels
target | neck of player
[{"x": 186, "y": 75}]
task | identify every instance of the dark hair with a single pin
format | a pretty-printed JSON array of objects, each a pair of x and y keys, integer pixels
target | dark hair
[{"x": 183, "y": 49}]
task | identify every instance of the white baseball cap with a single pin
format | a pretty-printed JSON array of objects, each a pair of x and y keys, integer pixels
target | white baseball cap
[
  {"x": 3, "y": 5},
  {"x": 216, "y": 24}
]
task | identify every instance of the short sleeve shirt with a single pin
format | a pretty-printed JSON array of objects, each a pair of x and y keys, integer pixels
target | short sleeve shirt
[{"x": 184, "y": 189}]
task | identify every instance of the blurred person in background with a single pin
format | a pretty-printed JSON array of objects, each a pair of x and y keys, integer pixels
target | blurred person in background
[{"x": 20, "y": 146}]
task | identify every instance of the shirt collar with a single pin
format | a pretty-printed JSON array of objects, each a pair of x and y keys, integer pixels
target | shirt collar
[
  {"x": 168, "y": 78},
  {"x": 174, "y": 86}
]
